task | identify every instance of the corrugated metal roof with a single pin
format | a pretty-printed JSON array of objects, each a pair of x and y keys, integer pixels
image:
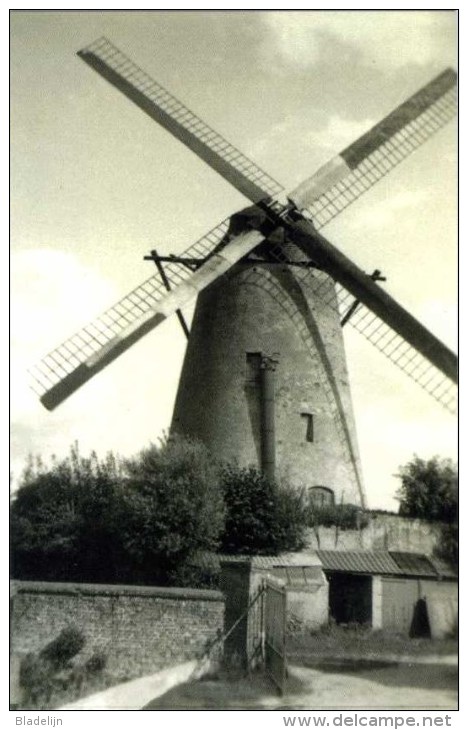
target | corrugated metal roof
[
  {"x": 413, "y": 564},
  {"x": 379, "y": 562},
  {"x": 354, "y": 561},
  {"x": 273, "y": 561},
  {"x": 295, "y": 575},
  {"x": 385, "y": 563}
]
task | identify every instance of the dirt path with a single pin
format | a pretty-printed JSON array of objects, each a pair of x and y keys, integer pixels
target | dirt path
[
  {"x": 395, "y": 687},
  {"x": 135, "y": 694}
]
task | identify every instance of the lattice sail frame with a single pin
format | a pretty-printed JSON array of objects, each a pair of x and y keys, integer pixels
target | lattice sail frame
[
  {"x": 180, "y": 121},
  {"x": 325, "y": 195},
  {"x": 383, "y": 337},
  {"x": 399, "y": 352},
  {"x": 361, "y": 165},
  {"x": 89, "y": 340}
]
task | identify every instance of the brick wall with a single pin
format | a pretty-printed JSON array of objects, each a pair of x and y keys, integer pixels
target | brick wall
[{"x": 139, "y": 629}]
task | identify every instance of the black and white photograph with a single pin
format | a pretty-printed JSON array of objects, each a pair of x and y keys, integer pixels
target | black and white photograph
[{"x": 234, "y": 299}]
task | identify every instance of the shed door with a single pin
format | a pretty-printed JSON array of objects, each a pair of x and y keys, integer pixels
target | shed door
[
  {"x": 399, "y": 597},
  {"x": 350, "y": 598}
]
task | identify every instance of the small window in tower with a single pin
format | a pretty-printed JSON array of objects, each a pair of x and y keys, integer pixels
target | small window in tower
[
  {"x": 253, "y": 363},
  {"x": 309, "y": 420},
  {"x": 321, "y": 496}
]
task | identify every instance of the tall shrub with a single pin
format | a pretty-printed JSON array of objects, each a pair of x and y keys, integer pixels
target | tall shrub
[
  {"x": 174, "y": 508},
  {"x": 261, "y": 516},
  {"x": 138, "y": 521},
  {"x": 65, "y": 519},
  {"x": 429, "y": 489}
]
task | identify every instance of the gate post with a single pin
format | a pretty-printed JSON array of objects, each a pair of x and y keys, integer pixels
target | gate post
[
  {"x": 235, "y": 585},
  {"x": 242, "y": 586}
]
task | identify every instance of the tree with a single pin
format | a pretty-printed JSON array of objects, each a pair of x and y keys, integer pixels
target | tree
[
  {"x": 65, "y": 519},
  {"x": 447, "y": 549},
  {"x": 174, "y": 509},
  {"x": 137, "y": 521},
  {"x": 429, "y": 490},
  {"x": 261, "y": 517}
]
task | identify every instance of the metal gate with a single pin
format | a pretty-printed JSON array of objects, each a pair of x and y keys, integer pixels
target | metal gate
[{"x": 275, "y": 634}]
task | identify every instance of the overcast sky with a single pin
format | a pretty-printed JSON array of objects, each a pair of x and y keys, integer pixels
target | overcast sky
[{"x": 96, "y": 184}]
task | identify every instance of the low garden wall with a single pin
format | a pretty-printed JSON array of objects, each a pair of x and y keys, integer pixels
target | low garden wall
[
  {"x": 380, "y": 532},
  {"x": 138, "y": 629}
]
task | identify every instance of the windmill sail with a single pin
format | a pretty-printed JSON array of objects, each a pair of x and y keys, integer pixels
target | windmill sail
[
  {"x": 401, "y": 353},
  {"x": 324, "y": 196},
  {"x": 357, "y": 168},
  {"x": 89, "y": 350},
  {"x": 170, "y": 113},
  {"x": 380, "y": 319}
]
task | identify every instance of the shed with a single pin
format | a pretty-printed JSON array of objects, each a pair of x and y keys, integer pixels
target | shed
[
  {"x": 300, "y": 573},
  {"x": 406, "y": 592}
]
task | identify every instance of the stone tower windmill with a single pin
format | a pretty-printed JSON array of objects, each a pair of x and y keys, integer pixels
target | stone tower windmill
[{"x": 264, "y": 379}]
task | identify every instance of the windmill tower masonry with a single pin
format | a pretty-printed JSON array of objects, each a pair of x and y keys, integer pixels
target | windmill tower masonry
[{"x": 264, "y": 380}]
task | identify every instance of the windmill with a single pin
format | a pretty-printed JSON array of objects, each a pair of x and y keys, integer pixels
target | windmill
[{"x": 264, "y": 379}]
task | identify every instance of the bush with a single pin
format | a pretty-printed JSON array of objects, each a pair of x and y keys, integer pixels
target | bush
[
  {"x": 447, "y": 549},
  {"x": 261, "y": 517},
  {"x": 174, "y": 509},
  {"x": 36, "y": 678},
  {"x": 68, "y": 643},
  {"x": 83, "y": 519},
  {"x": 344, "y": 516},
  {"x": 63, "y": 515},
  {"x": 429, "y": 490},
  {"x": 96, "y": 663},
  {"x": 201, "y": 571},
  {"x": 50, "y": 677}
]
